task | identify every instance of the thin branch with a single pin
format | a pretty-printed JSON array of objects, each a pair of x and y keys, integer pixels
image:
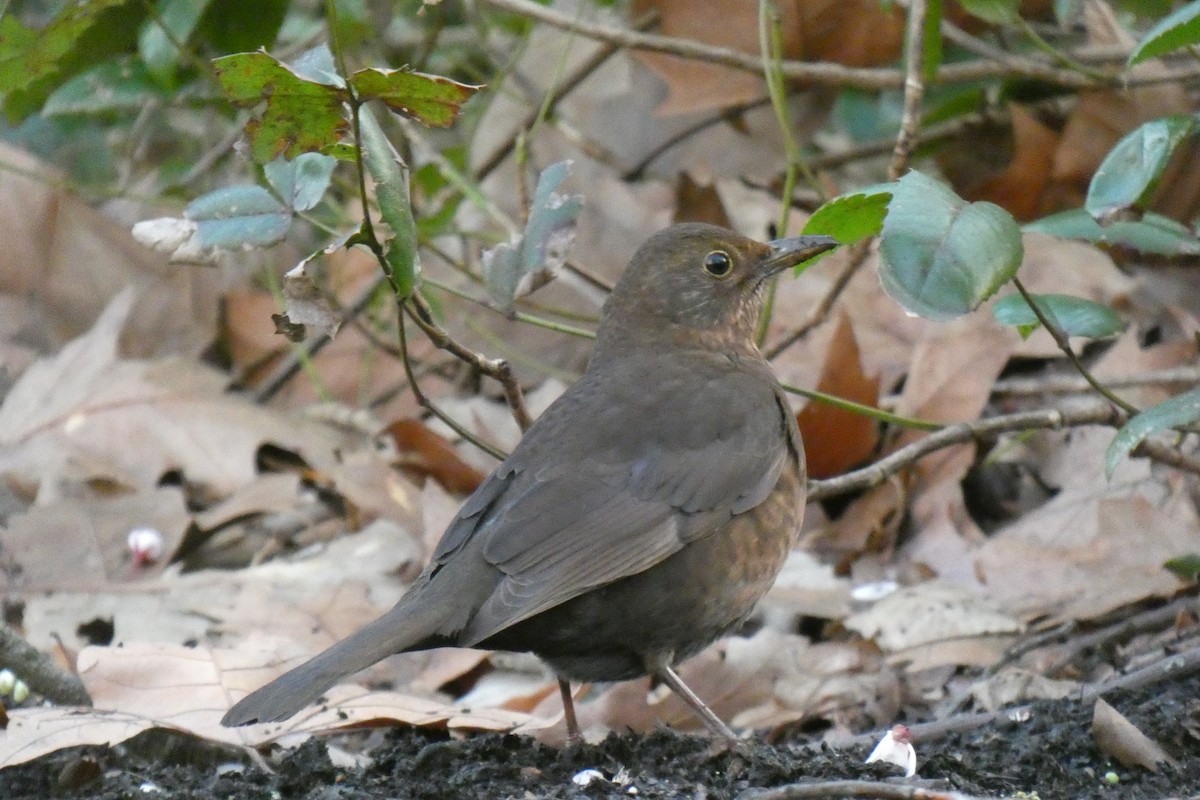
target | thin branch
[
  {"x": 1064, "y": 344},
  {"x": 424, "y": 401},
  {"x": 914, "y": 89},
  {"x": 568, "y": 84},
  {"x": 827, "y": 73},
  {"x": 1073, "y": 383},
  {"x": 875, "y": 474},
  {"x": 40, "y": 673}
]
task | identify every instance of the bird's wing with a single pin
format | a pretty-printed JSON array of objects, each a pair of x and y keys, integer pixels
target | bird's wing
[{"x": 609, "y": 483}]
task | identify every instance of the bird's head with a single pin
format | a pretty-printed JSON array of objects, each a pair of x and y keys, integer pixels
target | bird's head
[{"x": 701, "y": 283}]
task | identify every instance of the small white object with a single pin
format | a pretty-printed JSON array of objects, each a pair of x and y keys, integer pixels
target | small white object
[
  {"x": 587, "y": 776},
  {"x": 871, "y": 592},
  {"x": 7, "y": 681},
  {"x": 896, "y": 748},
  {"x": 145, "y": 546},
  {"x": 20, "y": 692}
]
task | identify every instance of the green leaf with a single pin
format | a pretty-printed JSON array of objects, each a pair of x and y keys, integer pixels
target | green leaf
[
  {"x": 237, "y": 217},
  {"x": 996, "y": 12},
  {"x": 33, "y": 63},
  {"x": 391, "y": 190},
  {"x": 516, "y": 269},
  {"x": 1182, "y": 409},
  {"x": 1073, "y": 315},
  {"x": 1153, "y": 233},
  {"x": 301, "y": 115},
  {"x": 852, "y": 217},
  {"x": 235, "y": 26},
  {"x": 1186, "y": 567},
  {"x": 156, "y": 47},
  {"x": 942, "y": 256},
  {"x": 113, "y": 87},
  {"x": 1131, "y": 170},
  {"x": 302, "y": 181},
  {"x": 1178, "y": 30},
  {"x": 430, "y": 99}
]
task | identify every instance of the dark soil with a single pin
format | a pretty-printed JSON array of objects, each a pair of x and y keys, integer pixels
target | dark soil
[{"x": 1052, "y": 754}]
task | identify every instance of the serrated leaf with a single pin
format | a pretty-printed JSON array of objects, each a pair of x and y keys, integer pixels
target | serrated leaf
[
  {"x": 1153, "y": 233},
  {"x": 157, "y": 47},
  {"x": 852, "y": 217},
  {"x": 1178, "y": 30},
  {"x": 1075, "y": 316},
  {"x": 1182, "y": 409},
  {"x": 1131, "y": 170},
  {"x": 301, "y": 115},
  {"x": 390, "y": 175},
  {"x": 113, "y": 87},
  {"x": 430, "y": 99},
  {"x": 532, "y": 259},
  {"x": 302, "y": 181},
  {"x": 943, "y": 256},
  {"x": 238, "y": 217}
]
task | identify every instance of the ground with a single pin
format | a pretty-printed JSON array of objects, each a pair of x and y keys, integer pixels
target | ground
[{"x": 1051, "y": 754}]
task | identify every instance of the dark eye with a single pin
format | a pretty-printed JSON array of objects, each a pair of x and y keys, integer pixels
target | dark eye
[{"x": 718, "y": 264}]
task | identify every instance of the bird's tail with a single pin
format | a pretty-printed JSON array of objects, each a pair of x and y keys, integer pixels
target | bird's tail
[{"x": 413, "y": 624}]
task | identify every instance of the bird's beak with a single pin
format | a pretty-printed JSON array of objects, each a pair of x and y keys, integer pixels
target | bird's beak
[{"x": 787, "y": 253}]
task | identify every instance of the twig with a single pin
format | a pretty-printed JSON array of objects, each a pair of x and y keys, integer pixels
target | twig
[
  {"x": 1172, "y": 667},
  {"x": 827, "y": 73},
  {"x": 636, "y": 173},
  {"x": 1064, "y": 344},
  {"x": 496, "y": 368},
  {"x": 1070, "y": 384},
  {"x": 877, "y": 473},
  {"x": 914, "y": 89},
  {"x": 546, "y": 107},
  {"x": 299, "y": 353},
  {"x": 39, "y": 672},
  {"x": 857, "y": 257},
  {"x": 424, "y": 401}
]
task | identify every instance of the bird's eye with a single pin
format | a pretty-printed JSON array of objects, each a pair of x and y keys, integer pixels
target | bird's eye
[{"x": 718, "y": 264}]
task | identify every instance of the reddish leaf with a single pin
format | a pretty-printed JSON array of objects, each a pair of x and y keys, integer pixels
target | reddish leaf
[{"x": 430, "y": 456}]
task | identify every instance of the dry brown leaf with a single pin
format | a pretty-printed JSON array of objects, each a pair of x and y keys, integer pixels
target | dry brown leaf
[
  {"x": 427, "y": 455},
  {"x": 82, "y": 543},
  {"x": 1013, "y": 685},
  {"x": 70, "y": 419},
  {"x": 1018, "y": 187},
  {"x": 34, "y": 732},
  {"x": 70, "y": 261},
  {"x": 1096, "y": 545},
  {"x": 1101, "y": 118},
  {"x": 698, "y": 86},
  {"x": 698, "y": 201},
  {"x": 928, "y": 613},
  {"x": 274, "y": 492},
  {"x": 1119, "y": 738},
  {"x": 836, "y": 439}
]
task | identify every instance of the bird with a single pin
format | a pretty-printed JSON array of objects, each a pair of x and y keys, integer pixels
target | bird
[{"x": 643, "y": 514}]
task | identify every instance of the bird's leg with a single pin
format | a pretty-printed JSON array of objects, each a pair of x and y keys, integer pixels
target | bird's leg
[
  {"x": 668, "y": 676},
  {"x": 574, "y": 736}
]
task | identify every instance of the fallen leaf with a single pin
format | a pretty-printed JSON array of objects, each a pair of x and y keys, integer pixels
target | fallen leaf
[
  {"x": 427, "y": 455},
  {"x": 835, "y": 439},
  {"x": 1118, "y": 738}
]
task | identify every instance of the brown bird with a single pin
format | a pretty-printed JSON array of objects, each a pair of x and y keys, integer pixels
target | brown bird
[{"x": 641, "y": 517}]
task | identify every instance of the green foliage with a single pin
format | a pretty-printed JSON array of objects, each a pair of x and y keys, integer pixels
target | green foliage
[
  {"x": 391, "y": 189},
  {"x": 851, "y": 217},
  {"x": 1183, "y": 409},
  {"x": 1075, "y": 316},
  {"x": 1178, "y": 30},
  {"x": 237, "y": 217},
  {"x": 995, "y": 11},
  {"x": 1132, "y": 169},
  {"x": 943, "y": 256},
  {"x": 1153, "y": 233}
]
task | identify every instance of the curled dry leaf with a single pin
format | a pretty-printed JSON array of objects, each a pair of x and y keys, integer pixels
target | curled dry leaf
[{"x": 1119, "y": 738}]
